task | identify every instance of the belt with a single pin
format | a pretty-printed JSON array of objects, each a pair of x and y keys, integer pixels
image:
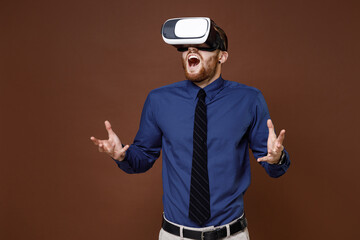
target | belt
[{"x": 218, "y": 233}]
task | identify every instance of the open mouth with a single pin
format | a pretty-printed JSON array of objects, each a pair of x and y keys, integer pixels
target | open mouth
[{"x": 193, "y": 61}]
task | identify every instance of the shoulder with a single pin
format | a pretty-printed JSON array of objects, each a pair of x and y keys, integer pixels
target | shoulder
[
  {"x": 247, "y": 96},
  {"x": 244, "y": 94},
  {"x": 167, "y": 89},
  {"x": 239, "y": 88}
]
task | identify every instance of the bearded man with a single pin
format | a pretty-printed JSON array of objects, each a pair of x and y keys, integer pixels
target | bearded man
[{"x": 205, "y": 126}]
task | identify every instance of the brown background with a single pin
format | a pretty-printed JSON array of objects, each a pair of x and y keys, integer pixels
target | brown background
[{"x": 66, "y": 66}]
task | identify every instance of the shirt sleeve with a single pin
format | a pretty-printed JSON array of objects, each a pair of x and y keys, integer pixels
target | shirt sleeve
[
  {"x": 258, "y": 136},
  {"x": 146, "y": 148}
]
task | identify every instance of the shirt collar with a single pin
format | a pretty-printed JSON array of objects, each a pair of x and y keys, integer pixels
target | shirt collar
[{"x": 211, "y": 90}]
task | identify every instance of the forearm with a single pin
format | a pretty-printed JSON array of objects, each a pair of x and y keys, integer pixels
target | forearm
[{"x": 138, "y": 160}]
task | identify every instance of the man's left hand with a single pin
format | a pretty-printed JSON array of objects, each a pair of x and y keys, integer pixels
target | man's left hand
[{"x": 274, "y": 145}]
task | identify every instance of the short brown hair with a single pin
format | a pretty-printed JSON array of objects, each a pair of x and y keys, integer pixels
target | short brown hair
[{"x": 222, "y": 35}]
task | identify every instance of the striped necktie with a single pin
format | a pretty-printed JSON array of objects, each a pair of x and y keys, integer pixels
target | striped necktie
[{"x": 199, "y": 207}]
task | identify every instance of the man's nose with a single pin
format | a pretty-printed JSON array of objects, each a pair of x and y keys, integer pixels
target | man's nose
[{"x": 193, "y": 49}]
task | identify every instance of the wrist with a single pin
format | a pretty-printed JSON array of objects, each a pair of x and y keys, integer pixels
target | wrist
[
  {"x": 118, "y": 158},
  {"x": 116, "y": 155}
]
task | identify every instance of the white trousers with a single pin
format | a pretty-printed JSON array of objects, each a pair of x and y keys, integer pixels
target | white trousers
[{"x": 163, "y": 235}]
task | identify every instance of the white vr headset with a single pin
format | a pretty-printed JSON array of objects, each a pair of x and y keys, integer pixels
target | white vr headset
[{"x": 192, "y": 31}]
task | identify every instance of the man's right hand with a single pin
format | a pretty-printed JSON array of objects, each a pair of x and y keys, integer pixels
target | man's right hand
[{"x": 112, "y": 146}]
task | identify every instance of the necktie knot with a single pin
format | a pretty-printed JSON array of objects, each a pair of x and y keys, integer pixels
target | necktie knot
[{"x": 201, "y": 94}]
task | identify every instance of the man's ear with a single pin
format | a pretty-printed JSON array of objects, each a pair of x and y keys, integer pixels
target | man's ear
[{"x": 223, "y": 56}]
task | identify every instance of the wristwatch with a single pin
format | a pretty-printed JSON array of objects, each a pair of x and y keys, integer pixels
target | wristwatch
[{"x": 282, "y": 158}]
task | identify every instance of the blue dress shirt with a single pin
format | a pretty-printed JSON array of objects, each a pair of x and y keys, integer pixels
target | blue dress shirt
[{"x": 237, "y": 119}]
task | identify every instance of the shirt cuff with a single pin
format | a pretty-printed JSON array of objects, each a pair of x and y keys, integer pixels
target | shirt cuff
[
  {"x": 124, "y": 165},
  {"x": 276, "y": 170}
]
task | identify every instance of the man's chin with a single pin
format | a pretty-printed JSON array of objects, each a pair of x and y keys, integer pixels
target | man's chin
[
  {"x": 193, "y": 71},
  {"x": 193, "y": 74},
  {"x": 194, "y": 77}
]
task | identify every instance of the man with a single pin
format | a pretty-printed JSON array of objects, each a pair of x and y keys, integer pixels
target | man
[{"x": 204, "y": 125}]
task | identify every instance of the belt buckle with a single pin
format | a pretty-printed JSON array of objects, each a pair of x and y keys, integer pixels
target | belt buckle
[{"x": 202, "y": 236}]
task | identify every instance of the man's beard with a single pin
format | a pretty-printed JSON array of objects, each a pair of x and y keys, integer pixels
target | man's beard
[{"x": 206, "y": 72}]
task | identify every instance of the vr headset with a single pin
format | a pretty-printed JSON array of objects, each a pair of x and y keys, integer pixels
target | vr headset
[{"x": 180, "y": 32}]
